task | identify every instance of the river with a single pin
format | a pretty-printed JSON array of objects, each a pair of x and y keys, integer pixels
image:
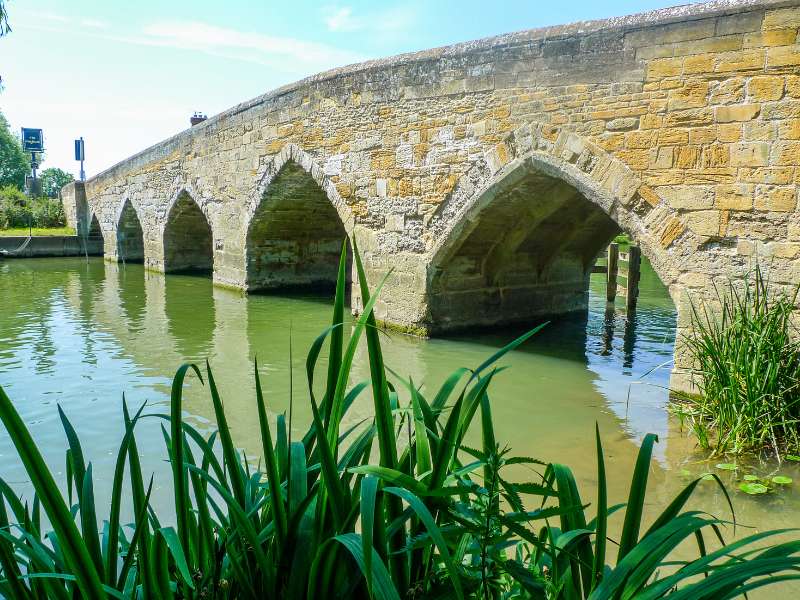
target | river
[{"x": 79, "y": 333}]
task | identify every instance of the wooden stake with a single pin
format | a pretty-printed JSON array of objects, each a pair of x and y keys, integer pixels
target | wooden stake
[{"x": 613, "y": 267}]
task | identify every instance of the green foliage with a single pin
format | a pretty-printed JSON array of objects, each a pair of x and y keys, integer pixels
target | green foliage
[
  {"x": 748, "y": 360},
  {"x": 14, "y": 163},
  {"x": 53, "y": 179},
  {"x": 17, "y": 210},
  {"x": 431, "y": 518}
]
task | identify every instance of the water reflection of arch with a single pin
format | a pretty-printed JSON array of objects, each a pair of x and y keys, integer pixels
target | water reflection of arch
[
  {"x": 190, "y": 315},
  {"x": 130, "y": 291}
]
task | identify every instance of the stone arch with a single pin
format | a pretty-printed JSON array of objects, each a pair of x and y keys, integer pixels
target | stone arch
[
  {"x": 521, "y": 243},
  {"x": 188, "y": 238},
  {"x": 297, "y": 226},
  {"x": 130, "y": 237},
  {"x": 95, "y": 240}
]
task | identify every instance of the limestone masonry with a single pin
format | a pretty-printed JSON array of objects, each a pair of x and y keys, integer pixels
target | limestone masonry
[{"x": 489, "y": 175}]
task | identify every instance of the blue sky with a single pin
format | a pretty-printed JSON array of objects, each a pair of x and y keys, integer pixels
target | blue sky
[{"x": 125, "y": 75}]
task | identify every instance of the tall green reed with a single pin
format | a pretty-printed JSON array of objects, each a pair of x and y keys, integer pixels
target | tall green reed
[
  {"x": 747, "y": 355},
  {"x": 432, "y": 518}
]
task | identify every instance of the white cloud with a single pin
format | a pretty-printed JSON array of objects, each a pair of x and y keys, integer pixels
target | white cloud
[
  {"x": 290, "y": 53},
  {"x": 342, "y": 19}
]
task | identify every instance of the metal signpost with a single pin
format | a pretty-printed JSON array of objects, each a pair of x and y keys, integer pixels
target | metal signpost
[
  {"x": 80, "y": 155},
  {"x": 33, "y": 142}
]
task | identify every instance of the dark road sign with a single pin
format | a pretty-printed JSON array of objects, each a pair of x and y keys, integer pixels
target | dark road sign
[{"x": 32, "y": 140}]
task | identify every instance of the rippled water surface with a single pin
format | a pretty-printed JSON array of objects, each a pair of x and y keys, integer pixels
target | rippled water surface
[{"x": 79, "y": 334}]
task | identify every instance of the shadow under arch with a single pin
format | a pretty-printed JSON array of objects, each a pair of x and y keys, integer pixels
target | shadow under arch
[
  {"x": 130, "y": 238},
  {"x": 523, "y": 248},
  {"x": 295, "y": 236},
  {"x": 95, "y": 243},
  {"x": 188, "y": 240}
]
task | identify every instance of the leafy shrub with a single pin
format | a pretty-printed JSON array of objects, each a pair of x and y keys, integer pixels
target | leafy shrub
[
  {"x": 748, "y": 362},
  {"x": 17, "y": 210},
  {"x": 322, "y": 519}
]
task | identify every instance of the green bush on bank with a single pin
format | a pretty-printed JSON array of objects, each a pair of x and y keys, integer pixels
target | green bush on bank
[
  {"x": 17, "y": 210},
  {"x": 321, "y": 518},
  {"x": 747, "y": 355}
]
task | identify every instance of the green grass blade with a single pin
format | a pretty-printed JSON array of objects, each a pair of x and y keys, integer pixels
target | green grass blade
[
  {"x": 73, "y": 548},
  {"x": 638, "y": 490}
]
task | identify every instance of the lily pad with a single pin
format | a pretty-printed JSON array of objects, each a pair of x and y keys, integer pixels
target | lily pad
[
  {"x": 751, "y": 478},
  {"x": 754, "y": 489},
  {"x": 781, "y": 480},
  {"x": 726, "y": 466}
]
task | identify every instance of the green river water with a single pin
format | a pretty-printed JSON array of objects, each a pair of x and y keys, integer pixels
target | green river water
[{"x": 80, "y": 333}]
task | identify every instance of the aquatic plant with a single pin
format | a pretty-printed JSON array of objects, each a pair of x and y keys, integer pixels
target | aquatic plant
[
  {"x": 430, "y": 518},
  {"x": 748, "y": 365}
]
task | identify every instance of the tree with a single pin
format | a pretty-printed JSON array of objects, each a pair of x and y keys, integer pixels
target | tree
[
  {"x": 53, "y": 179},
  {"x": 14, "y": 163},
  {"x": 4, "y": 28}
]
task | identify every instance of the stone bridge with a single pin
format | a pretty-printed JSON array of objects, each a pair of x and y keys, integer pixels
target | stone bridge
[{"x": 489, "y": 175}]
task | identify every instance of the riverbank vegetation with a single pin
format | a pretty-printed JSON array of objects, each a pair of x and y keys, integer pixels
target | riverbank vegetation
[
  {"x": 396, "y": 506},
  {"x": 17, "y": 211},
  {"x": 747, "y": 355}
]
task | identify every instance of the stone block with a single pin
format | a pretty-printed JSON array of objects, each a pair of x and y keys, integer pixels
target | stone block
[
  {"x": 783, "y": 56},
  {"x": 693, "y": 94},
  {"x": 778, "y": 199},
  {"x": 765, "y": 87},
  {"x": 750, "y": 154},
  {"x": 729, "y": 132},
  {"x": 746, "y": 60},
  {"x": 782, "y": 18},
  {"x": 789, "y": 130},
  {"x": 734, "y": 197},
  {"x": 704, "y": 222},
  {"x": 774, "y": 37},
  {"x": 741, "y": 112},
  {"x": 672, "y": 231},
  {"x": 786, "y": 153},
  {"x": 622, "y": 124},
  {"x": 688, "y": 197}
]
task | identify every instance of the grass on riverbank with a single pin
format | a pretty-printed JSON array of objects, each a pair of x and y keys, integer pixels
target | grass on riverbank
[
  {"x": 36, "y": 231},
  {"x": 748, "y": 362},
  {"x": 428, "y": 517}
]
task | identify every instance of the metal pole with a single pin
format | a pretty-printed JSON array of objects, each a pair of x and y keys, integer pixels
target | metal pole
[{"x": 83, "y": 174}]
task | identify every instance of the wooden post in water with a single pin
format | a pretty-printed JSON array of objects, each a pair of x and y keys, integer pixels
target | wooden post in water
[
  {"x": 634, "y": 268},
  {"x": 611, "y": 273}
]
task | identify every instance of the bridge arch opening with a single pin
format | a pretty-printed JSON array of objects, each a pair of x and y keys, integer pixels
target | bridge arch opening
[
  {"x": 188, "y": 241},
  {"x": 295, "y": 236},
  {"x": 130, "y": 238},
  {"x": 525, "y": 252},
  {"x": 95, "y": 243}
]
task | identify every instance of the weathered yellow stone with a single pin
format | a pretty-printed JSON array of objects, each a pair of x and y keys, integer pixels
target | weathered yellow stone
[
  {"x": 716, "y": 155},
  {"x": 662, "y": 158},
  {"x": 672, "y": 230},
  {"x": 774, "y": 175},
  {"x": 693, "y": 94},
  {"x": 724, "y": 219},
  {"x": 611, "y": 141},
  {"x": 760, "y": 130},
  {"x": 783, "y": 56},
  {"x": 274, "y": 147},
  {"x": 704, "y": 46},
  {"x": 765, "y": 87},
  {"x": 673, "y": 136},
  {"x": 384, "y": 112},
  {"x": 729, "y": 132},
  {"x": 782, "y": 18},
  {"x": 664, "y": 67},
  {"x": 640, "y": 139},
  {"x": 746, "y": 60},
  {"x": 382, "y": 159},
  {"x": 778, "y": 199},
  {"x": 650, "y": 121},
  {"x": 704, "y": 222},
  {"x": 648, "y": 195},
  {"x": 687, "y": 157},
  {"x": 406, "y": 187},
  {"x": 773, "y": 37},
  {"x": 740, "y": 112},
  {"x": 344, "y": 189},
  {"x": 702, "y": 135},
  {"x": 734, "y": 197},
  {"x": 637, "y": 159},
  {"x": 693, "y": 117},
  {"x": 789, "y": 129},
  {"x": 728, "y": 91},
  {"x": 750, "y": 154},
  {"x": 793, "y": 86},
  {"x": 786, "y": 153},
  {"x": 700, "y": 63}
]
